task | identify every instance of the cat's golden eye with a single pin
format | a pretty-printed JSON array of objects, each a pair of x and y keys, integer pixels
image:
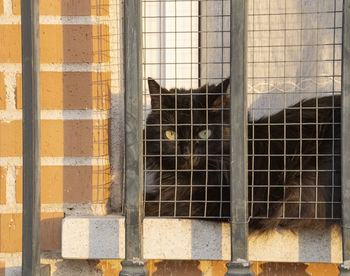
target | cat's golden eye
[
  {"x": 170, "y": 134},
  {"x": 204, "y": 134}
]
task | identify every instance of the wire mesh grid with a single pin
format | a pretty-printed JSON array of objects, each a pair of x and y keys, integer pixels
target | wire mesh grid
[
  {"x": 294, "y": 54},
  {"x": 186, "y": 115},
  {"x": 105, "y": 84},
  {"x": 294, "y": 76}
]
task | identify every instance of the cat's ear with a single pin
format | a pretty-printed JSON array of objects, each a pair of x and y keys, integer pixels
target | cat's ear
[
  {"x": 222, "y": 87},
  {"x": 153, "y": 86},
  {"x": 155, "y": 90},
  {"x": 222, "y": 100}
]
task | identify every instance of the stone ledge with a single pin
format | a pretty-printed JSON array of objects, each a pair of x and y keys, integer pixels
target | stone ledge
[{"x": 103, "y": 237}]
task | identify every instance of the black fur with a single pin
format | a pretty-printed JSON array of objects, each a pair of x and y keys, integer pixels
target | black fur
[{"x": 209, "y": 192}]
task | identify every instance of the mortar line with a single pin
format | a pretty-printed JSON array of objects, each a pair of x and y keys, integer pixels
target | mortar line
[
  {"x": 76, "y": 209},
  {"x": 10, "y": 186},
  {"x": 7, "y": 4},
  {"x": 10, "y": 20},
  {"x": 59, "y": 161},
  {"x": 74, "y": 19},
  {"x": 60, "y": 67},
  {"x": 10, "y": 84},
  {"x": 7, "y": 18},
  {"x": 64, "y": 115}
]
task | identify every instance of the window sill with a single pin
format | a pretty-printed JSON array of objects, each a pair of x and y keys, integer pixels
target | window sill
[{"x": 103, "y": 237}]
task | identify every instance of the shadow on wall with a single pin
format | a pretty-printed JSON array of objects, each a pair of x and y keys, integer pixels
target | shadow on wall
[
  {"x": 80, "y": 95},
  {"x": 218, "y": 268},
  {"x": 50, "y": 236},
  {"x": 79, "y": 101},
  {"x": 87, "y": 93},
  {"x": 177, "y": 268},
  {"x": 76, "y": 267},
  {"x": 185, "y": 268},
  {"x": 163, "y": 268},
  {"x": 283, "y": 269},
  {"x": 85, "y": 138}
]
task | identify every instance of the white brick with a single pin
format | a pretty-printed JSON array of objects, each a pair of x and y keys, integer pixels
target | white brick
[
  {"x": 104, "y": 238},
  {"x": 93, "y": 237}
]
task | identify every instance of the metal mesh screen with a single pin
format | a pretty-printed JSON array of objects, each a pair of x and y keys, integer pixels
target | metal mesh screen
[
  {"x": 294, "y": 79},
  {"x": 186, "y": 143},
  {"x": 294, "y": 76}
]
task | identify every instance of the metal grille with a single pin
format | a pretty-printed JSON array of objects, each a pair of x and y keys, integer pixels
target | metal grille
[
  {"x": 294, "y": 83},
  {"x": 103, "y": 82},
  {"x": 186, "y": 137}
]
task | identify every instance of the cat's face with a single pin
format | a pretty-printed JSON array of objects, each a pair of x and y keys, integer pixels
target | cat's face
[{"x": 189, "y": 129}]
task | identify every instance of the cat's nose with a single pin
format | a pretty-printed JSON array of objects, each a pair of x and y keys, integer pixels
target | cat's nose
[{"x": 185, "y": 149}]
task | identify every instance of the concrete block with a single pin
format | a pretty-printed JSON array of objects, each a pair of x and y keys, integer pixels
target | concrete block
[
  {"x": 93, "y": 237},
  {"x": 183, "y": 239}
]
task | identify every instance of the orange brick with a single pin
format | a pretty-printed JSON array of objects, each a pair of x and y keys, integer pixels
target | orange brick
[
  {"x": 256, "y": 267},
  {"x": 59, "y": 43},
  {"x": 2, "y": 269},
  {"x": 11, "y": 138},
  {"x": 111, "y": 267},
  {"x": 71, "y": 90},
  {"x": 74, "y": 43},
  {"x": 2, "y": 91},
  {"x": 74, "y": 138},
  {"x": 10, "y": 43},
  {"x": 215, "y": 268},
  {"x": 152, "y": 265},
  {"x": 68, "y": 7},
  {"x": 59, "y": 138},
  {"x": 51, "y": 229},
  {"x": 322, "y": 269},
  {"x": 3, "y": 185},
  {"x": 11, "y": 232},
  {"x": 70, "y": 184}
]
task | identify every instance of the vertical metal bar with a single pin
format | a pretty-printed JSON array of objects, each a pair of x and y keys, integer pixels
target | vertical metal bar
[
  {"x": 133, "y": 263},
  {"x": 31, "y": 138},
  {"x": 238, "y": 154},
  {"x": 345, "y": 138}
]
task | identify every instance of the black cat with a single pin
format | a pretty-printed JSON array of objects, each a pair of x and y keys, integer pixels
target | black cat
[{"x": 293, "y": 157}]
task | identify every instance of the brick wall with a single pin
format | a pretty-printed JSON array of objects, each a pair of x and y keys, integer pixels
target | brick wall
[{"x": 79, "y": 73}]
